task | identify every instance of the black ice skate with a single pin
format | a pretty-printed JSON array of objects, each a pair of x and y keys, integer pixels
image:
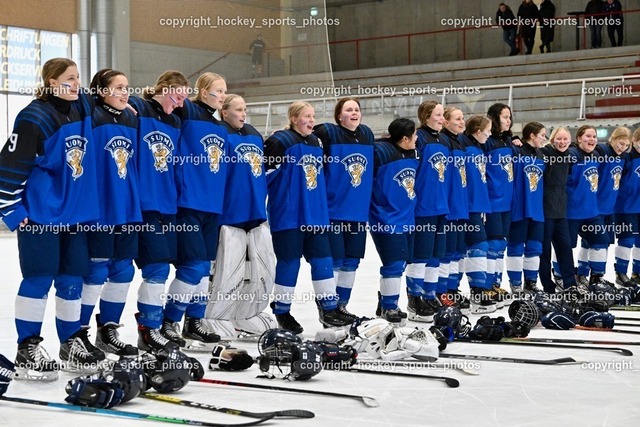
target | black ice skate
[
  {"x": 287, "y": 321},
  {"x": 198, "y": 335},
  {"x": 33, "y": 363},
  {"x": 332, "y": 318},
  {"x": 171, "y": 331},
  {"x": 419, "y": 310},
  {"x": 76, "y": 357},
  {"x": 108, "y": 340},
  {"x": 482, "y": 301}
]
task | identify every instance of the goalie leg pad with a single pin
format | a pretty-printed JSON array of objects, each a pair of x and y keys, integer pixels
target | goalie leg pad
[
  {"x": 222, "y": 327},
  {"x": 250, "y": 329},
  {"x": 229, "y": 273}
]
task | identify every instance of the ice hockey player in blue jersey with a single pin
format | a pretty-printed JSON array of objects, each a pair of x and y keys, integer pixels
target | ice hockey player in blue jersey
[
  {"x": 447, "y": 291},
  {"x": 484, "y": 298},
  {"x": 201, "y": 187},
  {"x": 627, "y": 211},
  {"x": 114, "y": 243},
  {"x": 348, "y": 148},
  {"x": 48, "y": 188},
  {"x": 582, "y": 205},
  {"x": 391, "y": 216},
  {"x": 499, "y": 151},
  {"x": 299, "y": 217},
  {"x": 158, "y": 136},
  {"x": 611, "y": 163},
  {"x": 526, "y": 232},
  {"x": 432, "y": 206}
]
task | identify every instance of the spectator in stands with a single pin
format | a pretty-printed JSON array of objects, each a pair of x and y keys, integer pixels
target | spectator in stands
[
  {"x": 257, "y": 49},
  {"x": 614, "y": 21},
  {"x": 528, "y": 15},
  {"x": 547, "y": 15},
  {"x": 592, "y": 11},
  {"x": 506, "y": 19}
]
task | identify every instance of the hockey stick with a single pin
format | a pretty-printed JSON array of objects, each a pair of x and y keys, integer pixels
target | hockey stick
[
  {"x": 627, "y": 324},
  {"x": 619, "y": 331},
  {"x": 625, "y": 308},
  {"x": 509, "y": 341},
  {"x": 633, "y": 319},
  {"x": 576, "y": 341},
  {"x": 287, "y": 413},
  {"x": 561, "y": 361},
  {"x": 413, "y": 364},
  {"x": 451, "y": 382},
  {"x": 117, "y": 413},
  {"x": 368, "y": 401}
]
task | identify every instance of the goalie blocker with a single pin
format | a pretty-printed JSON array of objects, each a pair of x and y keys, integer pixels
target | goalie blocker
[{"x": 241, "y": 284}]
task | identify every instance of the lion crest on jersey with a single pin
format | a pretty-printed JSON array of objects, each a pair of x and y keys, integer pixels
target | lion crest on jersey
[
  {"x": 253, "y": 155},
  {"x": 356, "y": 165},
  {"x": 311, "y": 166},
  {"x": 507, "y": 165},
  {"x": 616, "y": 176},
  {"x": 534, "y": 175},
  {"x": 161, "y": 147},
  {"x": 214, "y": 147},
  {"x": 406, "y": 178},
  {"x": 121, "y": 150},
  {"x": 438, "y": 161},
  {"x": 75, "y": 148},
  {"x": 591, "y": 174},
  {"x": 481, "y": 165},
  {"x": 462, "y": 169}
]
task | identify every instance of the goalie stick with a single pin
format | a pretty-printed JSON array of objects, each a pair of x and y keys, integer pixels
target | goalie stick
[
  {"x": 561, "y": 361},
  {"x": 509, "y": 341},
  {"x": 126, "y": 414},
  {"x": 451, "y": 382},
  {"x": 287, "y": 413},
  {"x": 368, "y": 401},
  {"x": 577, "y": 341}
]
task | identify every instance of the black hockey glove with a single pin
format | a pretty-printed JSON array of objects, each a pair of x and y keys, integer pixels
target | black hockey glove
[
  {"x": 7, "y": 372},
  {"x": 229, "y": 359},
  {"x": 97, "y": 393}
]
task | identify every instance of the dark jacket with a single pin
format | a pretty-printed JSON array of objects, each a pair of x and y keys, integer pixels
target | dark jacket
[{"x": 555, "y": 182}]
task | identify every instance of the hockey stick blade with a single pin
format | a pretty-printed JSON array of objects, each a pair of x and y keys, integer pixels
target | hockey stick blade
[
  {"x": 509, "y": 341},
  {"x": 368, "y": 401},
  {"x": 577, "y": 341},
  {"x": 451, "y": 382},
  {"x": 287, "y": 413},
  {"x": 634, "y": 325},
  {"x": 560, "y": 361},
  {"x": 633, "y": 319},
  {"x": 136, "y": 415}
]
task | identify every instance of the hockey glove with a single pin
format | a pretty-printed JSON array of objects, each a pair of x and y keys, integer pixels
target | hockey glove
[
  {"x": 594, "y": 319},
  {"x": 559, "y": 321},
  {"x": 515, "y": 329},
  {"x": 336, "y": 357},
  {"x": 229, "y": 359},
  {"x": 96, "y": 393},
  {"x": 7, "y": 372}
]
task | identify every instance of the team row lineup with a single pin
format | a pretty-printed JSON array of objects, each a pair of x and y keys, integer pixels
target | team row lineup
[{"x": 90, "y": 181}]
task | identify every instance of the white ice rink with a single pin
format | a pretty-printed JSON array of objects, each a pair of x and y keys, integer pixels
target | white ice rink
[{"x": 604, "y": 391}]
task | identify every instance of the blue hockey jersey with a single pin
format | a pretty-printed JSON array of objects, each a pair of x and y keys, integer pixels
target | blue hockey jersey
[
  {"x": 433, "y": 174},
  {"x": 348, "y": 170},
  {"x": 158, "y": 136},
  {"x": 477, "y": 188},
  {"x": 295, "y": 181},
  {"x": 246, "y": 193},
  {"x": 116, "y": 135},
  {"x": 610, "y": 173},
  {"x": 628, "y": 200},
  {"x": 457, "y": 194},
  {"x": 394, "y": 198},
  {"x": 528, "y": 185},
  {"x": 201, "y": 171},
  {"x": 582, "y": 185},
  {"x": 500, "y": 176},
  {"x": 48, "y": 170}
]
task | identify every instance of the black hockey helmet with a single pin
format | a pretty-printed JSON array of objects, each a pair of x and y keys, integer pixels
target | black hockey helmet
[
  {"x": 453, "y": 318},
  {"x": 168, "y": 371},
  {"x": 284, "y": 355},
  {"x": 524, "y": 311},
  {"x": 130, "y": 375}
]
